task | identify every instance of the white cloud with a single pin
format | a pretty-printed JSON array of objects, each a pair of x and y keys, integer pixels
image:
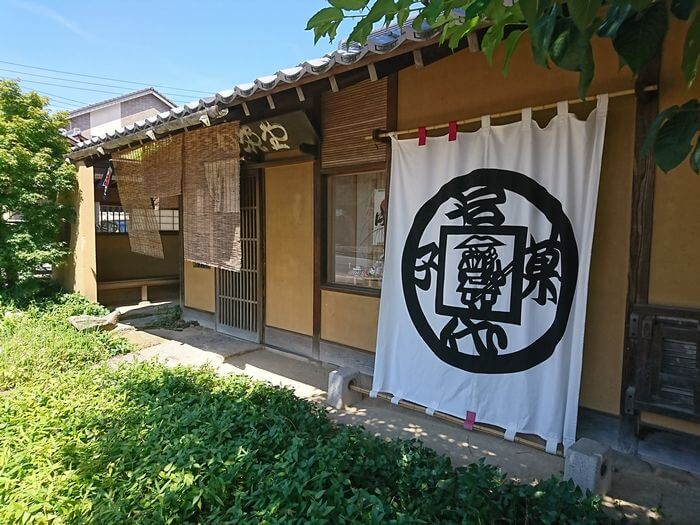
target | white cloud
[{"x": 53, "y": 15}]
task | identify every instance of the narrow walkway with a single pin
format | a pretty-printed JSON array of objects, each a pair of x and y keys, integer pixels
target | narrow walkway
[{"x": 639, "y": 489}]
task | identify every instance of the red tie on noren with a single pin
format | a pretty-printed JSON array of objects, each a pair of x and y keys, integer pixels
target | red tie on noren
[
  {"x": 452, "y": 133},
  {"x": 470, "y": 420},
  {"x": 422, "y": 136}
]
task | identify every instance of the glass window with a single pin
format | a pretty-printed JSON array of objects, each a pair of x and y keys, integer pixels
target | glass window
[
  {"x": 356, "y": 218},
  {"x": 113, "y": 219}
]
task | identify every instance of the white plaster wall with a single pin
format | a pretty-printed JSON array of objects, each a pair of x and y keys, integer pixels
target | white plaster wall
[{"x": 105, "y": 119}]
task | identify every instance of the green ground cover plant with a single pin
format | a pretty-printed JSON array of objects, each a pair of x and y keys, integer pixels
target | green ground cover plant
[{"x": 84, "y": 442}]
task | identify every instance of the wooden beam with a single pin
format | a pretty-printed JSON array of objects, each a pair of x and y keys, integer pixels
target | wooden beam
[
  {"x": 318, "y": 202},
  {"x": 334, "y": 83},
  {"x": 642, "y": 217},
  {"x": 473, "y": 41},
  {"x": 418, "y": 58},
  {"x": 372, "y": 70}
]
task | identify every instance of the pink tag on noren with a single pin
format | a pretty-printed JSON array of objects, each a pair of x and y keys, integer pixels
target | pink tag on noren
[
  {"x": 452, "y": 131},
  {"x": 422, "y": 136},
  {"x": 470, "y": 420}
]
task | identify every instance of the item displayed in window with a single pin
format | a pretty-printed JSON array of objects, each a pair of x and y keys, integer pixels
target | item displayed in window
[{"x": 356, "y": 221}]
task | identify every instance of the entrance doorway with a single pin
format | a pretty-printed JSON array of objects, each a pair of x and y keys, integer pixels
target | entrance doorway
[{"x": 239, "y": 294}]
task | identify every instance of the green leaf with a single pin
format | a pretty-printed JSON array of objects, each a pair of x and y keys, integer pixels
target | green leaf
[
  {"x": 640, "y": 37},
  {"x": 695, "y": 157},
  {"x": 533, "y": 9},
  {"x": 654, "y": 128},
  {"x": 361, "y": 31},
  {"x": 571, "y": 50},
  {"x": 511, "y": 45},
  {"x": 433, "y": 10},
  {"x": 324, "y": 16},
  {"x": 476, "y": 8},
  {"x": 492, "y": 38},
  {"x": 583, "y": 12},
  {"x": 541, "y": 35},
  {"x": 349, "y": 5},
  {"x": 614, "y": 18},
  {"x": 691, "y": 49},
  {"x": 461, "y": 31},
  {"x": 455, "y": 34},
  {"x": 682, "y": 9},
  {"x": 674, "y": 139},
  {"x": 586, "y": 72},
  {"x": 402, "y": 16},
  {"x": 566, "y": 49}
]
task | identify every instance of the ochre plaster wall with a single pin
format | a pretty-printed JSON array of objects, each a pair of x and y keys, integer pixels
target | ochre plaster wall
[
  {"x": 464, "y": 86},
  {"x": 289, "y": 269},
  {"x": 675, "y": 246},
  {"x": 607, "y": 286},
  {"x": 199, "y": 287},
  {"x": 116, "y": 261},
  {"x": 349, "y": 319},
  {"x": 79, "y": 272}
]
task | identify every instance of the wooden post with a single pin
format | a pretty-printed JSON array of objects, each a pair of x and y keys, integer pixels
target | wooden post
[{"x": 643, "y": 176}]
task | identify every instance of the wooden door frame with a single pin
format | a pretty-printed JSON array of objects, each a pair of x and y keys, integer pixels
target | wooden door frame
[
  {"x": 259, "y": 186},
  {"x": 641, "y": 225}
]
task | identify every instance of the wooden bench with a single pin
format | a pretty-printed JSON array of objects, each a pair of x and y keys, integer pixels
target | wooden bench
[{"x": 138, "y": 283}]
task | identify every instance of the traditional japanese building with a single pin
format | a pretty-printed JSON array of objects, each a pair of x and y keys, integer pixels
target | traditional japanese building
[{"x": 314, "y": 188}]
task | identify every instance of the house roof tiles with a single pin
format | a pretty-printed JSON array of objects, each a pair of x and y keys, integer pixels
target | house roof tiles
[{"x": 379, "y": 42}]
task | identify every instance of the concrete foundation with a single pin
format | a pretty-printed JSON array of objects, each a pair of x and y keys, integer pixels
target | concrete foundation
[
  {"x": 587, "y": 464},
  {"x": 339, "y": 395}
]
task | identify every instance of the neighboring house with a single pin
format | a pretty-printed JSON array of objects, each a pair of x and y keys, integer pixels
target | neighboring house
[
  {"x": 109, "y": 115},
  {"x": 312, "y": 204}
]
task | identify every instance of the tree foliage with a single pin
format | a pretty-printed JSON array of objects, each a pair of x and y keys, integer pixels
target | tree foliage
[
  {"x": 35, "y": 182},
  {"x": 560, "y": 36}
]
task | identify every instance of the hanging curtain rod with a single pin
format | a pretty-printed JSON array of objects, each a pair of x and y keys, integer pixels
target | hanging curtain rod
[{"x": 384, "y": 134}]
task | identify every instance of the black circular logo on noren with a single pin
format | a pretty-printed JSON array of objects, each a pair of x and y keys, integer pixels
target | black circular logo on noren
[{"x": 489, "y": 272}]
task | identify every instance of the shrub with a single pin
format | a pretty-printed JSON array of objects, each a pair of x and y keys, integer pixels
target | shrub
[
  {"x": 38, "y": 340},
  {"x": 147, "y": 444},
  {"x": 82, "y": 442}
]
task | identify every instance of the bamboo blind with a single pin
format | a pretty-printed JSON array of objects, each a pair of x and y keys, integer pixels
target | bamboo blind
[
  {"x": 143, "y": 175},
  {"x": 348, "y": 116},
  {"x": 211, "y": 196}
]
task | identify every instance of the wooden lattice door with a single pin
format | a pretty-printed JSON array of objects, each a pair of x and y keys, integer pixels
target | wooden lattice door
[{"x": 238, "y": 294}]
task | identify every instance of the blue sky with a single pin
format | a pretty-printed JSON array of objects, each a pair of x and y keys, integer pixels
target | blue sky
[{"x": 203, "y": 45}]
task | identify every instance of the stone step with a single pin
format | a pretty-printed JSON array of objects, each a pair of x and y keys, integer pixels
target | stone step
[
  {"x": 148, "y": 321},
  {"x": 145, "y": 310}
]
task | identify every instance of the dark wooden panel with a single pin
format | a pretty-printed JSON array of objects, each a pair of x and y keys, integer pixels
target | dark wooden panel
[{"x": 666, "y": 342}]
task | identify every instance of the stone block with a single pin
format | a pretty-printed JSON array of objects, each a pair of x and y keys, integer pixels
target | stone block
[
  {"x": 93, "y": 322},
  {"x": 339, "y": 394},
  {"x": 588, "y": 464}
]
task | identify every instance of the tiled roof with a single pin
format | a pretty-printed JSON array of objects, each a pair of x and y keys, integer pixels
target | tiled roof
[
  {"x": 121, "y": 98},
  {"x": 380, "y": 42}
]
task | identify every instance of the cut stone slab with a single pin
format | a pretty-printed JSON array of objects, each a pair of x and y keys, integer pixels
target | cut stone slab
[
  {"x": 587, "y": 463},
  {"x": 339, "y": 394},
  {"x": 145, "y": 310},
  {"x": 94, "y": 322}
]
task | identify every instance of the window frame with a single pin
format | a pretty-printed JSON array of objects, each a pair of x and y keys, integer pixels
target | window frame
[
  {"x": 175, "y": 222},
  {"x": 326, "y": 175}
]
